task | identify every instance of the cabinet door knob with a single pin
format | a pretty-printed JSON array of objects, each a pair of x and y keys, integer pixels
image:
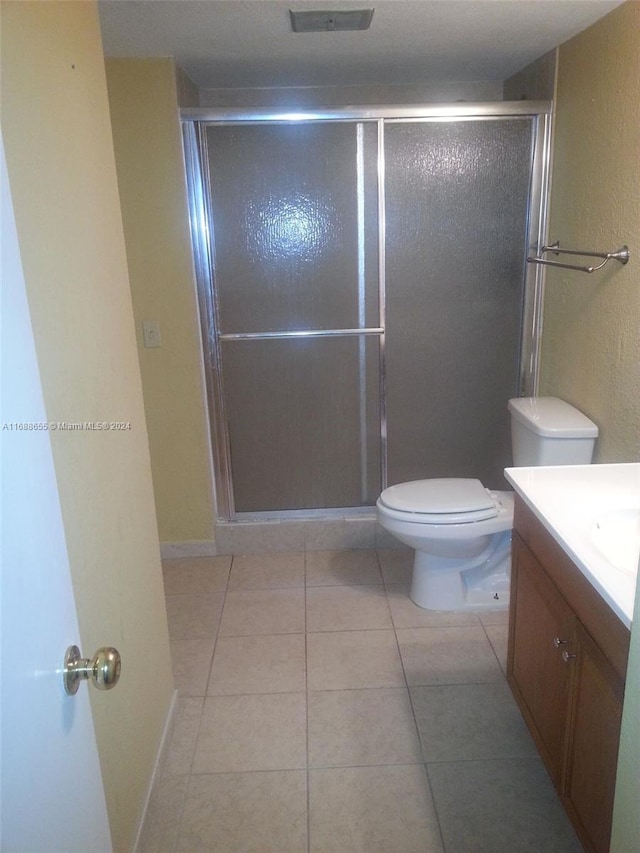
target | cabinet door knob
[
  {"x": 557, "y": 642},
  {"x": 567, "y": 656}
]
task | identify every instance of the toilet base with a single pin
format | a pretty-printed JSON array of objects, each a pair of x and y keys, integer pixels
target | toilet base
[{"x": 438, "y": 586}]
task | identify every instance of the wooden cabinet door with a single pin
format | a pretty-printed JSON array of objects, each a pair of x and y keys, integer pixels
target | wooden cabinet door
[
  {"x": 594, "y": 734},
  {"x": 542, "y": 629}
]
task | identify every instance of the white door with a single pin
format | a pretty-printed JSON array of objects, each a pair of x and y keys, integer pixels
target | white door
[{"x": 51, "y": 788}]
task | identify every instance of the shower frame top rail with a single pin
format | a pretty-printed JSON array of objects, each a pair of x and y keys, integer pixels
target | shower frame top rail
[
  {"x": 623, "y": 254},
  {"x": 478, "y": 109}
]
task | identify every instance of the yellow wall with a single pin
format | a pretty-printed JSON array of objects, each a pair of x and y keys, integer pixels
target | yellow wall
[
  {"x": 591, "y": 338},
  {"x": 56, "y": 129},
  {"x": 147, "y": 142}
]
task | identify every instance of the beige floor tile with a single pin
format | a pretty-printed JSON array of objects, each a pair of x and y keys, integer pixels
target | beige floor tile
[
  {"x": 194, "y": 616},
  {"x": 500, "y": 807},
  {"x": 499, "y": 639},
  {"x": 344, "y": 660},
  {"x": 191, "y": 661},
  {"x": 367, "y": 782},
  {"x": 494, "y": 617},
  {"x": 245, "y": 813},
  {"x": 195, "y": 575},
  {"x": 263, "y": 611},
  {"x": 261, "y": 732},
  {"x": 160, "y": 830},
  {"x": 470, "y": 721},
  {"x": 267, "y": 571},
  {"x": 183, "y": 737},
  {"x": 266, "y": 664},
  {"x": 406, "y": 614},
  {"x": 362, "y": 727},
  {"x": 347, "y": 608},
  {"x": 448, "y": 656},
  {"x": 342, "y": 568},
  {"x": 372, "y": 810},
  {"x": 396, "y": 565}
]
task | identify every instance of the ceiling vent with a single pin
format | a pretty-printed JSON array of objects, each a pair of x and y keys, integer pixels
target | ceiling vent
[{"x": 329, "y": 22}]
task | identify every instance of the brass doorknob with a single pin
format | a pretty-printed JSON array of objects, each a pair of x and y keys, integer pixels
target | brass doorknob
[{"x": 103, "y": 669}]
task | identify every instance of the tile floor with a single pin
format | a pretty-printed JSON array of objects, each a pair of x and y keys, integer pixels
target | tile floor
[{"x": 320, "y": 710}]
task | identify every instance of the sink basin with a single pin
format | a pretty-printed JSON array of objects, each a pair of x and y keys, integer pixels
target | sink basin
[
  {"x": 593, "y": 513},
  {"x": 616, "y": 535}
]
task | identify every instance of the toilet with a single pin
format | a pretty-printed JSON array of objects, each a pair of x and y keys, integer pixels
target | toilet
[{"x": 460, "y": 530}]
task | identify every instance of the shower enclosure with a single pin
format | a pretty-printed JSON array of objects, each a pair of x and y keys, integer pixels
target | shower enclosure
[{"x": 366, "y": 306}]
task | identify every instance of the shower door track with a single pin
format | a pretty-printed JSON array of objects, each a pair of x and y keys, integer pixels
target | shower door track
[{"x": 194, "y": 122}]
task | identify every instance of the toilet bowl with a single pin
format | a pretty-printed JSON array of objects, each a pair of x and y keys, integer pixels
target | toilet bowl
[{"x": 461, "y": 533}]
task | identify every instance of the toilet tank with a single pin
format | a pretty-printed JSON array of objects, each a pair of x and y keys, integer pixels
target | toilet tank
[{"x": 548, "y": 431}]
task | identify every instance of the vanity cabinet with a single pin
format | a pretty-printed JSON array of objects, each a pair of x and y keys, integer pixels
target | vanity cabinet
[
  {"x": 538, "y": 669},
  {"x": 593, "y": 732},
  {"x": 566, "y": 667}
]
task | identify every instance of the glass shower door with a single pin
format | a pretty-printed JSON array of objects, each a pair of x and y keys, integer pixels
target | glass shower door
[
  {"x": 297, "y": 311},
  {"x": 366, "y": 306},
  {"x": 457, "y": 202}
]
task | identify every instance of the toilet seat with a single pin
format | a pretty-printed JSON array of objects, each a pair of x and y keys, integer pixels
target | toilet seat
[
  {"x": 453, "y": 500},
  {"x": 461, "y": 534}
]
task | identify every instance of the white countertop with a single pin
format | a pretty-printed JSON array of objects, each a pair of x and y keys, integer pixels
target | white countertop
[{"x": 593, "y": 513}]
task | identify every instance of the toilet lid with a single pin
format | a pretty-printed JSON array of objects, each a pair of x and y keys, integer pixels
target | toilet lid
[{"x": 446, "y": 500}]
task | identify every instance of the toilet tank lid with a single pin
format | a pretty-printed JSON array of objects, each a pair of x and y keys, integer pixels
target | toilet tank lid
[
  {"x": 449, "y": 495},
  {"x": 552, "y": 417}
]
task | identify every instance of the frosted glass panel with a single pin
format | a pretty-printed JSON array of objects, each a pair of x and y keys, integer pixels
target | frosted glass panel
[
  {"x": 456, "y": 219},
  {"x": 295, "y": 240},
  {"x": 293, "y": 249},
  {"x": 303, "y": 420}
]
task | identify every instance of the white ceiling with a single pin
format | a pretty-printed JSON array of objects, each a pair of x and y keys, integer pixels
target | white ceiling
[{"x": 247, "y": 43}]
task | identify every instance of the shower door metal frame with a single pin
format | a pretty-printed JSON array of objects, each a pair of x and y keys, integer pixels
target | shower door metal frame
[{"x": 194, "y": 124}]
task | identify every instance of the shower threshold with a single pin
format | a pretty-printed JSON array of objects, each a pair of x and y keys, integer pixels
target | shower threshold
[
  {"x": 317, "y": 530},
  {"x": 302, "y": 514}
]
